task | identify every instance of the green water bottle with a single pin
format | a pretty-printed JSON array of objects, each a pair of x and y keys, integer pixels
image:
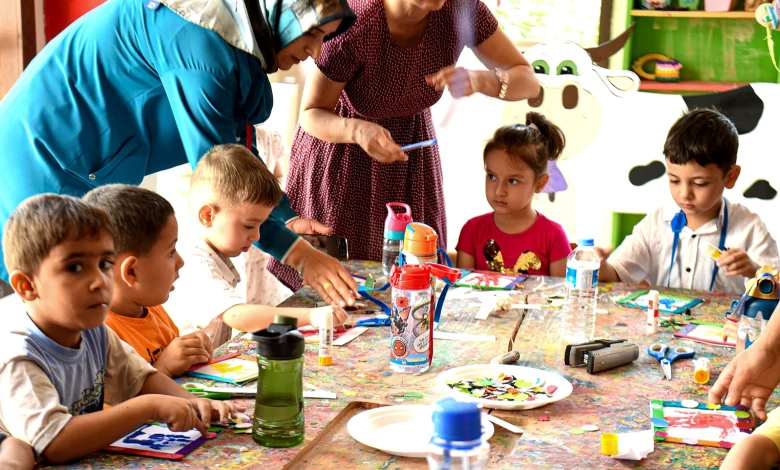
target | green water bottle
[{"x": 279, "y": 406}]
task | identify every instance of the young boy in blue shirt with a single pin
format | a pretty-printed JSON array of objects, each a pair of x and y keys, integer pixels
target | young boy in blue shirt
[{"x": 59, "y": 363}]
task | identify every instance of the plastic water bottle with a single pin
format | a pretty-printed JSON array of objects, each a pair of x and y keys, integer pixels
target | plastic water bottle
[
  {"x": 750, "y": 329},
  {"x": 578, "y": 315},
  {"x": 395, "y": 227},
  {"x": 457, "y": 437},
  {"x": 278, "y": 420}
]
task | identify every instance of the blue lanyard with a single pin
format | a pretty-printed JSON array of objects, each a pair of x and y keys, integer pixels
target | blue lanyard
[{"x": 679, "y": 222}]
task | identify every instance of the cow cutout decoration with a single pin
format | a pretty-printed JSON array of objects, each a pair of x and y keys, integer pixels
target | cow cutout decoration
[{"x": 613, "y": 160}]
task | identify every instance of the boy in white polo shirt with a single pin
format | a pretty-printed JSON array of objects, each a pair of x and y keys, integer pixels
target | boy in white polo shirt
[{"x": 669, "y": 247}]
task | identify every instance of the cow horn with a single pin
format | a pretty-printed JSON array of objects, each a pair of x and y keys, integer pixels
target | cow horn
[{"x": 609, "y": 48}]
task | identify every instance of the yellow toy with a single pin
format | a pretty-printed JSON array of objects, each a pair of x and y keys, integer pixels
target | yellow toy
[{"x": 666, "y": 68}]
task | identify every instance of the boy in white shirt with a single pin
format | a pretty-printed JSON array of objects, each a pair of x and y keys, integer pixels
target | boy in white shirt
[
  {"x": 231, "y": 194},
  {"x": 59, "y": 363},
  {"x": 669, "y": 247}
]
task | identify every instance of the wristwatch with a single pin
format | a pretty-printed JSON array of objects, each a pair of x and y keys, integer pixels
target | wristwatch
[{"x": 503, "y": 79}]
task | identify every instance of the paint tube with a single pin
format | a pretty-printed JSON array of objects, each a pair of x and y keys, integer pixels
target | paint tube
[
  {"x": 652, "y": 313},
  {"x": 325, "y": 357}
]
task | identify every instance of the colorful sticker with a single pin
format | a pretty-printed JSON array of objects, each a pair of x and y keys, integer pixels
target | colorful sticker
[{"x": 411, "y": 326}]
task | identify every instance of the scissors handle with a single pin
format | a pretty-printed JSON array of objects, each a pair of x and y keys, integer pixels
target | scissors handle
[
  {"x": 657, "y": 351},
  {"x": 193, "y": 387},
  {"x": 681, "y": 353},
  {"x": 373, "y": 322}
]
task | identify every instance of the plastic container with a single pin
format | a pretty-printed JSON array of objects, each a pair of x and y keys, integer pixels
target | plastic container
[
  {"x": 395, "y": 228},
  {"x": 420, "y": 244},
  {"x": 457, "y": 437},
  {"x": 701, "y": 371},
  {"x": 278, "y": 420},
  {"x": 718, "y": 5},
  {"x": 609, "y": 444},
  {"x": 578, "y": 315}
]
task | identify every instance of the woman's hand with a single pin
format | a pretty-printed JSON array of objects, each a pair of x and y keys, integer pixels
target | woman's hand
[
  {"x": 459, "y": 81},
  {"x": 378, "y": 143}
]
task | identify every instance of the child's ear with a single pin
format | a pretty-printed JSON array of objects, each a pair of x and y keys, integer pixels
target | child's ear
[
  {"x": 732, "y": 175},
  {"x": 542, "y": 183},
  {"x": 23, "y": 285},
  {"x": 127, "y": 270},
  {"x": 206, "y": 215}
]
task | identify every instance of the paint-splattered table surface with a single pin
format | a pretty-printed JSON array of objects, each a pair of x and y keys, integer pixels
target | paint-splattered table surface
[{"x": 617, "y": 400}]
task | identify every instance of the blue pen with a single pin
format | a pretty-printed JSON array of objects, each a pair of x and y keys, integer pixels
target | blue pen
[{"x": 419, "y": 145}]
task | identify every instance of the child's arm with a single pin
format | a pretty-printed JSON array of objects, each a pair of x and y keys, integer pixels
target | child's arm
[
  {"x": 756, "y": 451},
  {"x": 465, "y": 261},
  {"x": 606, "y": 272},
  {"x": 183, "y": 352},
  {"x": 91, "y": 432},
  {"x": 737, "y": 262},
  {"x": 251, "y": 318},
  {"x": 207, "y": 410},
  {"x": 558, "y": 268},
  {"x": 15, "y": 454}
]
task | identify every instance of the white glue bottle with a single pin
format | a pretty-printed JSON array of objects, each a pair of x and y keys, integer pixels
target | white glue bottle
[{"x": 652, "y": 313}]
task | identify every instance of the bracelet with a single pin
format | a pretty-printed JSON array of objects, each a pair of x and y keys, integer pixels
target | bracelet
[{"x": 503, "y": 79}]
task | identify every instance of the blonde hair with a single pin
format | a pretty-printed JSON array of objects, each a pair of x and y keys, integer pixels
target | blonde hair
[
  {"x": 234, "y": 176},
  {"x": 137, "y": 215},
  {"x": 44, "y": 221}
]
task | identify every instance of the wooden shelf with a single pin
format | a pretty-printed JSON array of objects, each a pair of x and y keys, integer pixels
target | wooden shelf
[
  {"x": 689, "y": 85},
  {"x": 734, "y": 15}
]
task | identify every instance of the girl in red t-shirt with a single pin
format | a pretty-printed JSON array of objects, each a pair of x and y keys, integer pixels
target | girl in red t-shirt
[{"x": 514, "y": 238}]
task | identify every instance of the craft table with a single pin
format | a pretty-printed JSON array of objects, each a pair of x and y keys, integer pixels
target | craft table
[{"x": 617, "y": 400}]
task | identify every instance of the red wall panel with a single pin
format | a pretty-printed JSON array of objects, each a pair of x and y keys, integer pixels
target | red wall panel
[{"x": 58, "y": 14}]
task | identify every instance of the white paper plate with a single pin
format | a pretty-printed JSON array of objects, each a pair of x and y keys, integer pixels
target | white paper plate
[
  {"x": 403, "y": 430},
  {"x": 477, "y": 371}
]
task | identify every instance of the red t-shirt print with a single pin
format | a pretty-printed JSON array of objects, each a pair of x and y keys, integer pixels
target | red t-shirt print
[{"x": 527, "y": 252}]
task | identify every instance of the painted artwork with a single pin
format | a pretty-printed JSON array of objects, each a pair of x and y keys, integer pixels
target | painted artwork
[
  {"x": 156, "y": 440},
  {"x": 488, "y": 280},
  {"x": 700, "y": 424},
  {"x": 234, "y": 370},
  {"x": 666, "y": 303},
  {"x": 705, "y": 332}
]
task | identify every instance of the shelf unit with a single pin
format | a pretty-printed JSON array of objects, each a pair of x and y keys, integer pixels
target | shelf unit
[
  {"x": 689, "y": 85},
  {"x": 734, "y": 15}
]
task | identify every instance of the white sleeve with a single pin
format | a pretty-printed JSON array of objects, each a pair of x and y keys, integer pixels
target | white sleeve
[
  {"x": 762, "y": 248},
  {"x": 632, "y": 257},
  {"x": 126, "y": 370},
  {"x": 201, "y": 293},
  {"x": 30, "y": 407}
]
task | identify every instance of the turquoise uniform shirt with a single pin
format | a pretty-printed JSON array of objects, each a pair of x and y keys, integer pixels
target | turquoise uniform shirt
[{"x": 128, "y": 90}]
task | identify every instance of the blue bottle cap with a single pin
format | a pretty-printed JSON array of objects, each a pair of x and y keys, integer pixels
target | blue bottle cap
[
  {"x": 455, "y": 420},
  {"x": 585, "y": 242}
]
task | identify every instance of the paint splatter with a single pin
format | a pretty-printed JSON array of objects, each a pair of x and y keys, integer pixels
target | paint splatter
[
  {"x": 698, "y": 419},
  {"x": 544, "y": 418}
]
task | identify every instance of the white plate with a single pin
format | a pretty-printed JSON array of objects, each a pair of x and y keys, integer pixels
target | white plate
[
  {"x": 478, "y": 371},
  {"x": 403, "y": 430}
]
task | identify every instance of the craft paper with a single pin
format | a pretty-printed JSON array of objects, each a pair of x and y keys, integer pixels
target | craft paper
[
  {"x": 155, "y": 440},
  {"x": 703, "y": 332},
  {"x": 635, "y": 445},
  {"x": 666, "y": 303},
  {"x": 490, "y": 280},
  {"x": 705, "y": 425},
  {"x": 235, "y": 370}
]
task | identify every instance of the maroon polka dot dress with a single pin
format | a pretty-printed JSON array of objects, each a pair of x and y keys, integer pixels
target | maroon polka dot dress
[{"x": 339, "y": 184}]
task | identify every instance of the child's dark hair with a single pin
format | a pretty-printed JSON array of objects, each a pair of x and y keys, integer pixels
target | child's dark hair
[
  {"x": 703, "y": 136},
  {"x": 137, "y": 215},
  {"x": 536, "y": 142}
]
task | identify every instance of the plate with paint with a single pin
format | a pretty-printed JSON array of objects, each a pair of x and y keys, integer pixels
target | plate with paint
[
  {"x": 504, "y": 387},
  {"x": 402, "y": 430}
]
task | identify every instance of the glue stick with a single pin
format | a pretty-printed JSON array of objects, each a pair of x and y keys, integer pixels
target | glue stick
[
  {"x": 701, "y": 373},
  {"x": 652, "y": 313},
  {"x": 507, "y": 358},
  {"x": 326, "y": 340}
]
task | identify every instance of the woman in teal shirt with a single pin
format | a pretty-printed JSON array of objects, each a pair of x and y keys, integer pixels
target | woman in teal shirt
[{"x": 139, "y": 86}]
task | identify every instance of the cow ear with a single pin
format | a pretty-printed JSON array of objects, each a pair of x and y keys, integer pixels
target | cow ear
[{"x": 619, "y": 82}]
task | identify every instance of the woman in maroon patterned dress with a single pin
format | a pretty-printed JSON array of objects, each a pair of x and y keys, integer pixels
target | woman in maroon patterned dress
[{"x": 372, "y": 93}]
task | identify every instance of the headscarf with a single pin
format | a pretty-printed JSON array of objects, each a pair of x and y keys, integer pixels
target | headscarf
[{"x": 277, "y": 23}]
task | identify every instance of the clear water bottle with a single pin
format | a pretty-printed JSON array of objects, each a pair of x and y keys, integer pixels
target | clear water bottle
[
  {"x": 278, "y": 420},
  {"x": 750, "y": 329},
  {"x": 578, "y": 315},
  {"x": 395, "y": 227},
  {"x": 457, "y": 437}
]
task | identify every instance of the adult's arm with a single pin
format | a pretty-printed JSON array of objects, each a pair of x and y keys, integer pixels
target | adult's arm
[
  {"x": 498, "y": 51},
  {"x": 751, "y": 377}
]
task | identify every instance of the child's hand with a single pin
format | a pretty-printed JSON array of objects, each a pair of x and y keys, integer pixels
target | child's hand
[
  {"x": 602, "y": 252},
  {"x": 179, "y": 414},
  {"x": 182, "y": 353},
  {"x": 730, "y": 329},
  {"x": 205, "y": 340},
  {"x": 736, "y": 261},
  {"x": 317, "y": 316},
  {"x": 213, "y": 410}
]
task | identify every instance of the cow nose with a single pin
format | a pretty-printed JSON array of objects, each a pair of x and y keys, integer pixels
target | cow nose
[
  {"x": 570, "y": 97},
  {"x": 536, "y": 102}
]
